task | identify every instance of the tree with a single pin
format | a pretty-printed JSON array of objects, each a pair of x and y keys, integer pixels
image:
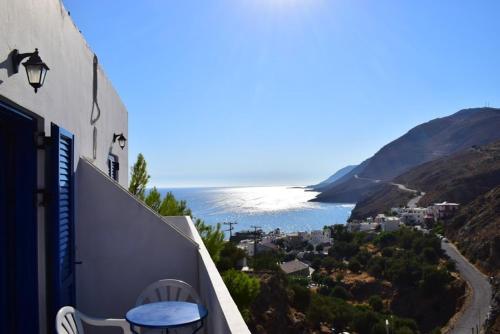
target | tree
[
  {"x": 329, "y": 263},
  {"x": 319, "y": 248},
  {"x": 243, "y": 288},
  {"x": 376, "y": 303},
  {"x": 153, "y": 199},
  {"x": 404, "y": 330},
  {"x": 434, "y": 280},
  {"x": 139, "y": 178},
  {"x": 430, "y": 255},
  {"x": 170, "y": 206},
  {"x": 354, "y": 266},
  {"x": 265, "y": 261},
  {"x": 230, "y": 255},
  {"x": 301, "y": 297},
  {"x": 340, "y": 292},
  {"x": 213, "y": 238}
]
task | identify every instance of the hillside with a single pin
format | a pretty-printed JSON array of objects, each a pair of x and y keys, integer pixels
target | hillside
[
  {"x": 426, "y": 142},
  {"x": 461, "y": 177},
  {"x": 476, "y": 230},
  {"x": 336, "y": 176}
]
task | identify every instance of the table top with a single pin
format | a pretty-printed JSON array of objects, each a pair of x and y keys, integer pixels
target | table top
[{"x": 166, "y": 314}]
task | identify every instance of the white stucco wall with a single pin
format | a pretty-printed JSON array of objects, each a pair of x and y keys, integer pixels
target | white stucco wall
[
  {"x": 123, "y": 247},
  {"x": 67, "y": 95}
]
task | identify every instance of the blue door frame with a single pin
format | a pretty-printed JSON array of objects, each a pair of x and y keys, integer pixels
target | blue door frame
[{"x": 18, "y": 223}]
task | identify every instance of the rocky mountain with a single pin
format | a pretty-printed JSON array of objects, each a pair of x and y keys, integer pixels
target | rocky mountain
[
  {"x": 461, "y": 178},
  {"x": 336, "y": 176},
  {"x": 426, "y": 142}
]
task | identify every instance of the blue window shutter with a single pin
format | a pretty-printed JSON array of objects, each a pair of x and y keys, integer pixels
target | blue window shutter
[{"x": 62, "y": 220}]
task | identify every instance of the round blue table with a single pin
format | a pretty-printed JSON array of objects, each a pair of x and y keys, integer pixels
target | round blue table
[{"x": 166, "y": 315}]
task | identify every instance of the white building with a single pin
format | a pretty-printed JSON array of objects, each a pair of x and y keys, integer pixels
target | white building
[
  {"x": 444, "y": 210},
  {"x": 412, "y": 216},
  {"x": 319, "y": 237},
  {"x": 362, "y": 226},
  {"x": 248, "y": 246},
  {"x": 390, "y": 224},
  {"x": 76, "y": 236}
]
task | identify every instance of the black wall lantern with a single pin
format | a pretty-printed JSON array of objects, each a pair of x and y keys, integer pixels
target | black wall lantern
[
  {"x": 121, "y": 140},
  {"x": 36, "y": 69}
]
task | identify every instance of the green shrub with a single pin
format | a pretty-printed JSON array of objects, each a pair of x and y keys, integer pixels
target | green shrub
[
  {"x": 301, "y": 297},
  {"x": 376, "y": 303},
  {"x": 243, "y": 288},
  {"x": 434, "y": 280},
  {"x": 340, "y": 292},
  {"x": 354, "y": 266}
]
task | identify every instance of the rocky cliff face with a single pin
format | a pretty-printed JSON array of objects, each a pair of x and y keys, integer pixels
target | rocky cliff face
[
  {"x": 461, "y": 178},
  {"x": 426, "y": 142}
]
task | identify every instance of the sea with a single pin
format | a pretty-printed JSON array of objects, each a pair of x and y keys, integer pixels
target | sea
[{"x": 286, "y": 208}]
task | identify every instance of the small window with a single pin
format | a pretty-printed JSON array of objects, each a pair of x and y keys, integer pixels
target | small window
[{"x": 113, "y": 166}]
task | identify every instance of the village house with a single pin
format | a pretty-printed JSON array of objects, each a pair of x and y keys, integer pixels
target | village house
[
  {"x": 296, "y": 268},
  {"x": 444, "y": 210}
]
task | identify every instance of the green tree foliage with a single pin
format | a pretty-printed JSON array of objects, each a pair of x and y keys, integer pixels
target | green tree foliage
[
  {"x": 213, "y": 238},
  {"x": 343, "y": 249},
  {"x": 139, "y": 178},
  {"x": 340, "y": 292},
  {"x": 376, "y": 266},
  {"x": 329, "y": 263},
  {"x": 364, "y": 320},
  {"x": 354, "y": 266},
  {"x": 429, "y": 255},
  {"x": 153, "y": 199},
  {"x": 243, "y": 288},
  {"x": 229, "y": 257},
  {"x": 434, "y": 280},
  {"x": 325, "y": 309},
  {"x": 404, "y": 271},
  {"x": 404, "y": 330},
  {"x": 265, "y": 261},
  {"x": 376, "y": 303},
  {"x": 301, "y": 297},
  {"x": 171, "y": 207}
]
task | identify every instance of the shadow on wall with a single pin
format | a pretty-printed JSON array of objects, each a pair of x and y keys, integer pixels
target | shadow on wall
[{"x": 7, "y": 65}]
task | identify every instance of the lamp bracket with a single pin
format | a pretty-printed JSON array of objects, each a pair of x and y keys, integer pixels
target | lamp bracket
[{"x": 17, "y": 58}]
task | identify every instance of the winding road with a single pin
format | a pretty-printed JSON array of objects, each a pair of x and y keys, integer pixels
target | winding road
[
  {"x": 476, "y": 311},
  {"x": 412, "y": 203}
]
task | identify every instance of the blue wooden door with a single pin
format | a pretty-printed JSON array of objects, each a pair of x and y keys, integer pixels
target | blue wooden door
[
  {"x": 18, "y": 223},
  {"x": 62, "y": 221}
]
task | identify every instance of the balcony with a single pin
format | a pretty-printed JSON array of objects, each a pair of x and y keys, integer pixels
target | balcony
[{"x": 123, "y": 246}]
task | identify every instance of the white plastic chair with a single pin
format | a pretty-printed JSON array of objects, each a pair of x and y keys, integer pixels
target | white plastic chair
[
  {"x": 169, "y": 290},
  {"x": 70, "y": 321}
]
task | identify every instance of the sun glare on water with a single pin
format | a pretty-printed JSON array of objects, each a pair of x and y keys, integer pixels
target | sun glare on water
[{"x": 264, "y": 199}]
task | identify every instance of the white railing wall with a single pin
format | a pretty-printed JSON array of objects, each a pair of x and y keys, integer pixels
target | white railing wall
[{"x": 124, "y": 246}]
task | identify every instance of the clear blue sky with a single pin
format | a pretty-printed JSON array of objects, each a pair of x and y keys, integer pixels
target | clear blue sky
[{"x": 265, "y": 92}]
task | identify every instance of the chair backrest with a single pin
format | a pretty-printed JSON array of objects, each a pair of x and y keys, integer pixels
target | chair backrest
[
  {"x": 168, "y": 290},
  {"x": 68, "y": 321}
]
